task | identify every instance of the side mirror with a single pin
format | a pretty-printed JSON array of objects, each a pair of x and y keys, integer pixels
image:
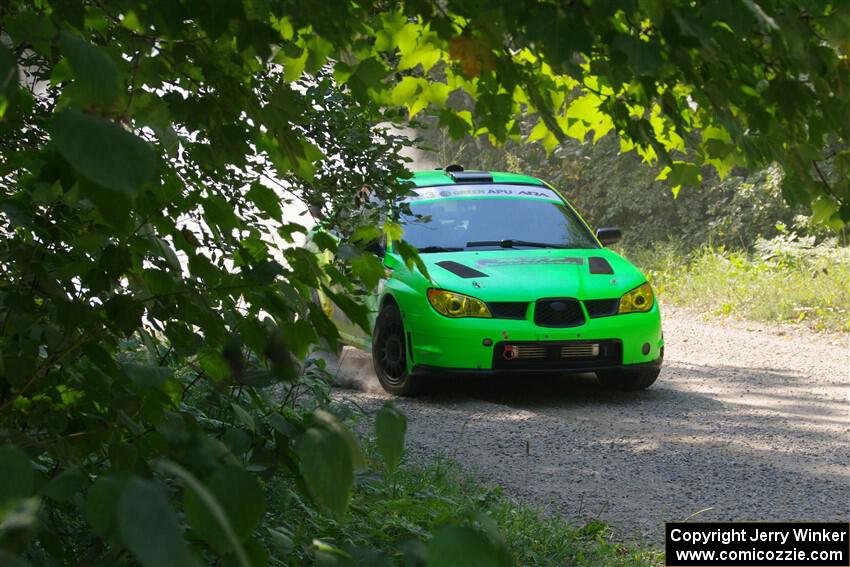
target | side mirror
[
  {"x": 377, "y": 249},
  {"x": 609, "y": 236}
]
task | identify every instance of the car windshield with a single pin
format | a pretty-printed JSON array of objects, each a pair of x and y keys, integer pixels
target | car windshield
[{"x": 490, "y": 223}]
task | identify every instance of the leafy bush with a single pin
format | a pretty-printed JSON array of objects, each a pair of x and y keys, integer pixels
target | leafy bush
[
  {"x": 787, "y": 279},
  {"x": 394, "y": 511}
]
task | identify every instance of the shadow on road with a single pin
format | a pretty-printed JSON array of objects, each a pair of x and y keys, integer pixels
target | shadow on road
[{"x": 744, "y": 443}]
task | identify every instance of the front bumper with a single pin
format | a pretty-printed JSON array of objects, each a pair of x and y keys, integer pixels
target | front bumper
[
  {"x": 426, "y": 370},
  {"x": 437, "y": 342}
]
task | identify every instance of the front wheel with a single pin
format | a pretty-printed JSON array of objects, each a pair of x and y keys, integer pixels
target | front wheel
[
  {"x": 389, "y": 355},
  {"x": 628, "y": 380}
]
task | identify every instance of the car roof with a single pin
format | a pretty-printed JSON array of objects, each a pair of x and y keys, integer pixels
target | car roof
[{"x": 435, "y": 177}]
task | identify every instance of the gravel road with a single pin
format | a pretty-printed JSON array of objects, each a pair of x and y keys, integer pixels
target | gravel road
[{"x": 746, "y": 422}]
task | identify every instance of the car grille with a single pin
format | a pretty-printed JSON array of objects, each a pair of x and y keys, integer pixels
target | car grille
[
  {"x": 558, "y": 313},
  {"x": 579, "y": 350},
  {"x": 508, "y": 309},
  {"x": 558, "y": 355},
  {"x": 601, "y": 307},
  {"x": 532, "y": 351}
]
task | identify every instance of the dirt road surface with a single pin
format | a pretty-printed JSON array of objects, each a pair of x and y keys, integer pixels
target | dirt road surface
[{"x": 746, "y": 422}]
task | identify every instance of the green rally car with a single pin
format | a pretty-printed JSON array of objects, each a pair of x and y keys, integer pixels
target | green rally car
[{"x": 519, "y": 284}]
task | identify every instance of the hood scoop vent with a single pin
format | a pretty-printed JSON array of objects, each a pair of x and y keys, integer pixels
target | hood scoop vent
[
  {"x": 471, "y": 176},
  {"x": 600, "y": 266},
  {"x": 460, "y": 270}
]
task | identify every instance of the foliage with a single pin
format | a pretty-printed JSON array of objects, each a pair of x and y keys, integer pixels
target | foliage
[
  {"x": 787, "y": 279},
  {"x": 150, "y": 298},
  {"x": 394, "y": 512},
  {"x": 149, "y": 302},
  {"x": 611, "y": 188},
  {"x": 718, "y": 84}
]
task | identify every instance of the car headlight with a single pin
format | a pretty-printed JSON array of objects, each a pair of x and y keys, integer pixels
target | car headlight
[
  {"x": 453, "y": 304},
  {"x": 639, "y": 300}
]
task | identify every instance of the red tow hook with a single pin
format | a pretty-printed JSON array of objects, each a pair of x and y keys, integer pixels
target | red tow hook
[{"x": 510, "y": 352}]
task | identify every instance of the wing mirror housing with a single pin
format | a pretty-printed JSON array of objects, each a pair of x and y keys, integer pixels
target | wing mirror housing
[{"x": 609, "y": 236}]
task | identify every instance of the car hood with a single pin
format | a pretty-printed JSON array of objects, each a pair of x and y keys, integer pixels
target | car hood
[{"x": 528, "y": 275}]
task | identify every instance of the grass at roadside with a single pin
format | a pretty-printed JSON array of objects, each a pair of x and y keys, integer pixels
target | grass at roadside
[
  {"x": 393, "y": 513},
  {"x": 782, "y": 280}
]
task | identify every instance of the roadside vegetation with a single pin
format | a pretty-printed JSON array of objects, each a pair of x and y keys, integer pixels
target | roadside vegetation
[
  {"x": 391, "y": 512},
  {"x": 783, "y": 280}
]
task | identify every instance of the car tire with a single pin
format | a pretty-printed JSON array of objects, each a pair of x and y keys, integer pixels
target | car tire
[
  {"x": 389, "y": 354},
  {"x": 628, "y": 380}
]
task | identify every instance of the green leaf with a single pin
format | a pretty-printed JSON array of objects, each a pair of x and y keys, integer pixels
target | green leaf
[
  {"x": 102, "y": 503},
  {"x": 64, "y": 486},
  {"x": 405, "y": 90},
  {"x": 425, "y": 55},
  {"x": 328, "y": 421},
  {"x": 459, "y": 124},
  {"x": 327, "y": 555},
  {"x": 353, "y": 310},
  {"x": 406, "y": 37},
  {"x": 162, "y": 248},
  {"x": 390, "y": 428},
  {"x": 243, "y": 416},
  {"x": 214, "y": 364},
  {"x": 266, "y": 200},
  {"x": 16, "y": 474},
  {"x": 282, "y": 541},
  {"x": 103, "y": 151},
  {"x": 823, "y": 210},
  {"x": 350, "y": 555},
  {"x": 325, "y": 464},
  {"x": 642, "y": 55},
  {"x": 366, "y": 234},
  {"x": 93, "y": 69},
  {"x": 456, "y": 545},
  {"x": 125, "y": 313},
  {"x": 369, "y": 74},
  {"x": 393, "y": 230},
  {"x": 32, "y": 27},
  {"x": 218, "y": 212},
  {"x": 683, "y": 174},
  {"x": 368, "y": 269},
  {"x": 241, "y": 498},
  {"x": 325, "y": 241},
  {"x": 147, "y": 375},
  {"x": 149, "y": 528},
  {"x": 293, "y": 67},
  {"x": 237, "y": 440},
  {"x": 541, "y": 132},
  {"x": 411, "y": 258},
  {"x": 436, "y": 93}
]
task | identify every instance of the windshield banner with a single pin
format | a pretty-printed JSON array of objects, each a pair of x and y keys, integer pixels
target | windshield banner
[{"x": 450, "y": 192}]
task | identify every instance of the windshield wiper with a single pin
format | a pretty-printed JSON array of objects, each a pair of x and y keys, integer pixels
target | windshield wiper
[
  {"x": 427, "y": 249},
  {"x": 510, "y": 243}
]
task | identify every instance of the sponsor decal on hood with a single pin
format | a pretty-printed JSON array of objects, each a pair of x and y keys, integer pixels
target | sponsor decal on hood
[{"x": 530, "y": 260}]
